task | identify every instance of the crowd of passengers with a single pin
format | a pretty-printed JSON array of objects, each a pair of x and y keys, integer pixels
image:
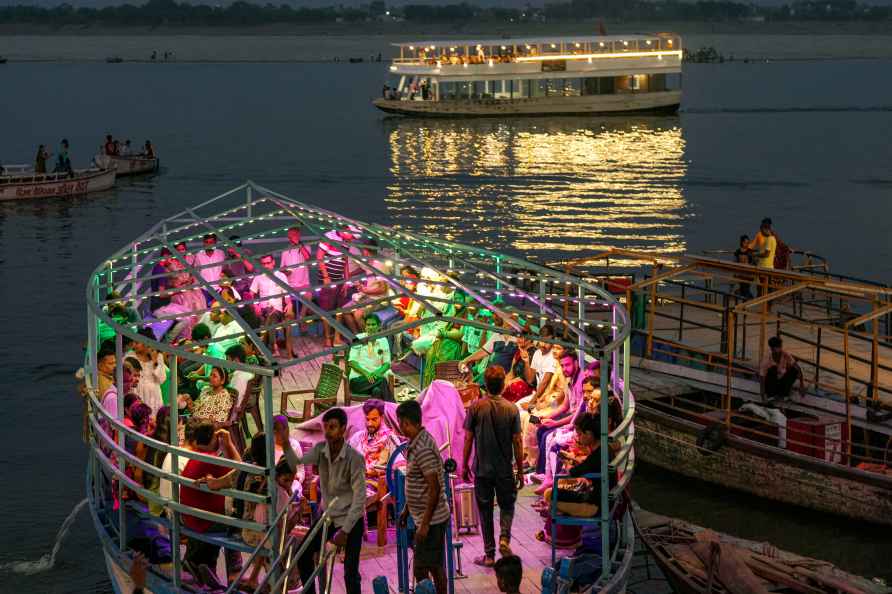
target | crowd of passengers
[{"x": 537, "y": 415}]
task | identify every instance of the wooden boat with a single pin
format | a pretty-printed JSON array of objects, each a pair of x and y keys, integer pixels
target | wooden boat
[
  {"x": 263, "y": 216},
  {"x": 23, "y": 185},
  {"x": 134, "y": 165},
  {"x": 696, "y": 560},
  {"x": 696, "y": 352},
  {"x": 587, "y": 75}
]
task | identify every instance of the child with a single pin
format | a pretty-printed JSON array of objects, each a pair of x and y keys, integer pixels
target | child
[
  {"x": 509, "y": 573},
  {"x": 258, "y": 513}
]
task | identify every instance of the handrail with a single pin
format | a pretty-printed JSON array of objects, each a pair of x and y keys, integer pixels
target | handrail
[{"x": 170, "y": 449}]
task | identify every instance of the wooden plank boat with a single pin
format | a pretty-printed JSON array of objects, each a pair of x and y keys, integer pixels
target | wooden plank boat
[
  {"x": 26, "y": 185},
  {"x": 134, "y": 165},
  {"x": 697, "y": 348},
  {"x": 696, "y": 560}
]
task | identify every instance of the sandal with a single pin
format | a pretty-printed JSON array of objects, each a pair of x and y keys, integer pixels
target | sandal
[
  {"x": 505, "y": 547},
  {"x": 484, "y": 561}
]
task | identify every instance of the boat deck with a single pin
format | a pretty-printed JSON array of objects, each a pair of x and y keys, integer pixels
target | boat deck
[
  {"x": 376, "y": 560},
  {"x": 702, "y": 330}
]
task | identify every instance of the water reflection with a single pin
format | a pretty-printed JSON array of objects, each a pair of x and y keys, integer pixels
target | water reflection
[{"x": 547, "y": 187}]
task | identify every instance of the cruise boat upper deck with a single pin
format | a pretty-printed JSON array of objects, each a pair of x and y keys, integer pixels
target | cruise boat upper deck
[{"x": 536, "y": 75}]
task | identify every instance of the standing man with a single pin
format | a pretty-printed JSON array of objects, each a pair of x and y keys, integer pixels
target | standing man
[
  {"x": 491, "y": 424},
  {"x": 294, "y": 262},
  {"x": 425, "y": 496},
  {"x": 764, "y": 245},
  {"x": 341, "y": 477}
]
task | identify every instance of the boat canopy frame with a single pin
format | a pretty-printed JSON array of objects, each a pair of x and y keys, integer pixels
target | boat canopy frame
[{"x": 519, "y": 293}]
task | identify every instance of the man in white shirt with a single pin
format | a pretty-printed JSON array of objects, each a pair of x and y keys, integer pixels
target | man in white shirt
[
  {"x": 369, "y": 363},
  {"x": 294, "y": 263},
  {"x": 271, "y": 310},
  {"x": 543, "y": 363},
  {"x": 227, "y": 333},
  {"x": 212, "y": 258}
]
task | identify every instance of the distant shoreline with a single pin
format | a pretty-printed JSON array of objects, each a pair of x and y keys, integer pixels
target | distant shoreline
[{"x": 397, "y": 31}]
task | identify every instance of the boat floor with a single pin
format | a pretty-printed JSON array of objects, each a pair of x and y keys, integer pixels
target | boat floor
[{"x": 377, "y": 561}]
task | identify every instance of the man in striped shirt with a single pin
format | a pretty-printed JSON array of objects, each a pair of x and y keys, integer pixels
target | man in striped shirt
[{"x": 425, "y": 496}]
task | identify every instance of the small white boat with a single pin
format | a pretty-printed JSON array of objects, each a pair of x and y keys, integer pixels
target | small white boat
[
  {"x": 22, "y": 185},
  {"x": 591, "y": 75},
  {"x": 134, "y": 164}
]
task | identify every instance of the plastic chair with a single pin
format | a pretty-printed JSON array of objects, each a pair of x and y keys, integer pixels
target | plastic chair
[{"x": 325, "y": 395}]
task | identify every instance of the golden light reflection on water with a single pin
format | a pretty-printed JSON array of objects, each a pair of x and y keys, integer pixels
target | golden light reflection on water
[{"x": 543, "y": 187}]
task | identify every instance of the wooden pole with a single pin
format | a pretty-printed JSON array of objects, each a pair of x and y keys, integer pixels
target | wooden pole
[
  {"x": 845, "y": 348},
  {"x": 650, "y": 317},
  {"x": 728, "y": 374},
  {"x": 875, "y": 355}
]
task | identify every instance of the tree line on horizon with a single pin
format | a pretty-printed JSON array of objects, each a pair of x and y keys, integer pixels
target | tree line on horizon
[{"x": 156, "y": 13}]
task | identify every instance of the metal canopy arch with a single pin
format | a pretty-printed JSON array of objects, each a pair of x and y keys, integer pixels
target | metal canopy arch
[
  {"x": 514, "y": 290},
  {"x": 261, "y": 217}
]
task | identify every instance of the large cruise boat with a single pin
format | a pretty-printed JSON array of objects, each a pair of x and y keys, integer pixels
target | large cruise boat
[{"x": 536, "y": 76}]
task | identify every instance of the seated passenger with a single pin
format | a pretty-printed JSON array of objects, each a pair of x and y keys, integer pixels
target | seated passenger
[
  {"x": 550, "y": 406},
  {"x": 375, "y": 443},
  {"x": 153, "y": 371},
  {"x": 215, "y": 400},
  {"x": 274, "y": 305},
  {"x": 201, "y": 557},
  {"x": 370, "y": 288},
  {"x": 579, "y": 496},
  {"x": 779, "y": 371},
  {"x": 281, "y": 433},
  {"x": 369, "y": 363},
  {"x": 448, "y": 344}
]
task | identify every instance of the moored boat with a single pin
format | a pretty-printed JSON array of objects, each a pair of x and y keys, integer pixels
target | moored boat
[
  {"x": 700, "y": 341},
  {"x": 134, "y": 165},
  {"x": 23, "y": 185},
  {"x": 265, "y": 221},
  {"x": 696, "y": 560},
  {"x": 591, "y": 75}
]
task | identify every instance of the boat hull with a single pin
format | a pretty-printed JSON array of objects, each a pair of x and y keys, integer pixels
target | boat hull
[
  {"x": 56, "y": 186},
  {"x": 135, "y": 165},
  {"x": 771, "y": 472},
  {"x": 666, "y": 102}
]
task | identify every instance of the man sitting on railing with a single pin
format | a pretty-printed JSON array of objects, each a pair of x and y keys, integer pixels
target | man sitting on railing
[
  {"x": 778, "y": 372},
  {"x": 201, "y": 557}
]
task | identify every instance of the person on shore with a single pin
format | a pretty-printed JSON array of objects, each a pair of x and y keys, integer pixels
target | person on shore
[
  {"x": 425, "y": 496},
  {"x": 779, "y": 371},
  {"x": 509, "y": 574},
  {"x": 40, "y": 159},
  {"x": 341, "y": 477},
  {"x": 491, "y": 424},
  {"x": 764, "y": 245}
]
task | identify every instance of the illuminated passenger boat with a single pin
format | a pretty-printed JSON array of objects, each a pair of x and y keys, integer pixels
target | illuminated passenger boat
[
  {"x": 21, "y": 183},
  {"x": 513, "y": 290},
  {"x": 536, "y": 76}
]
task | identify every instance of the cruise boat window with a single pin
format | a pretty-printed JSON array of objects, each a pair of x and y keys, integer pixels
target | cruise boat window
[{"x": 572, "y": 87}]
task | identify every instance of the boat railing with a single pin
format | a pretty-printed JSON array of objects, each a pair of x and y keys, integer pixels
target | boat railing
[
  {"x": 515, "y": 291},
  {"x": 694, "y": 311},
  {"x": 519, "y": 51}
]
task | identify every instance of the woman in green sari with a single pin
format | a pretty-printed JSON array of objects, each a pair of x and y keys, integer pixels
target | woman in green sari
[{"x": 448, "y": 344}]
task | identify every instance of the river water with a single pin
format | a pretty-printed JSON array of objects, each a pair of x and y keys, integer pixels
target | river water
[{"x": 804, "y": 143}]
